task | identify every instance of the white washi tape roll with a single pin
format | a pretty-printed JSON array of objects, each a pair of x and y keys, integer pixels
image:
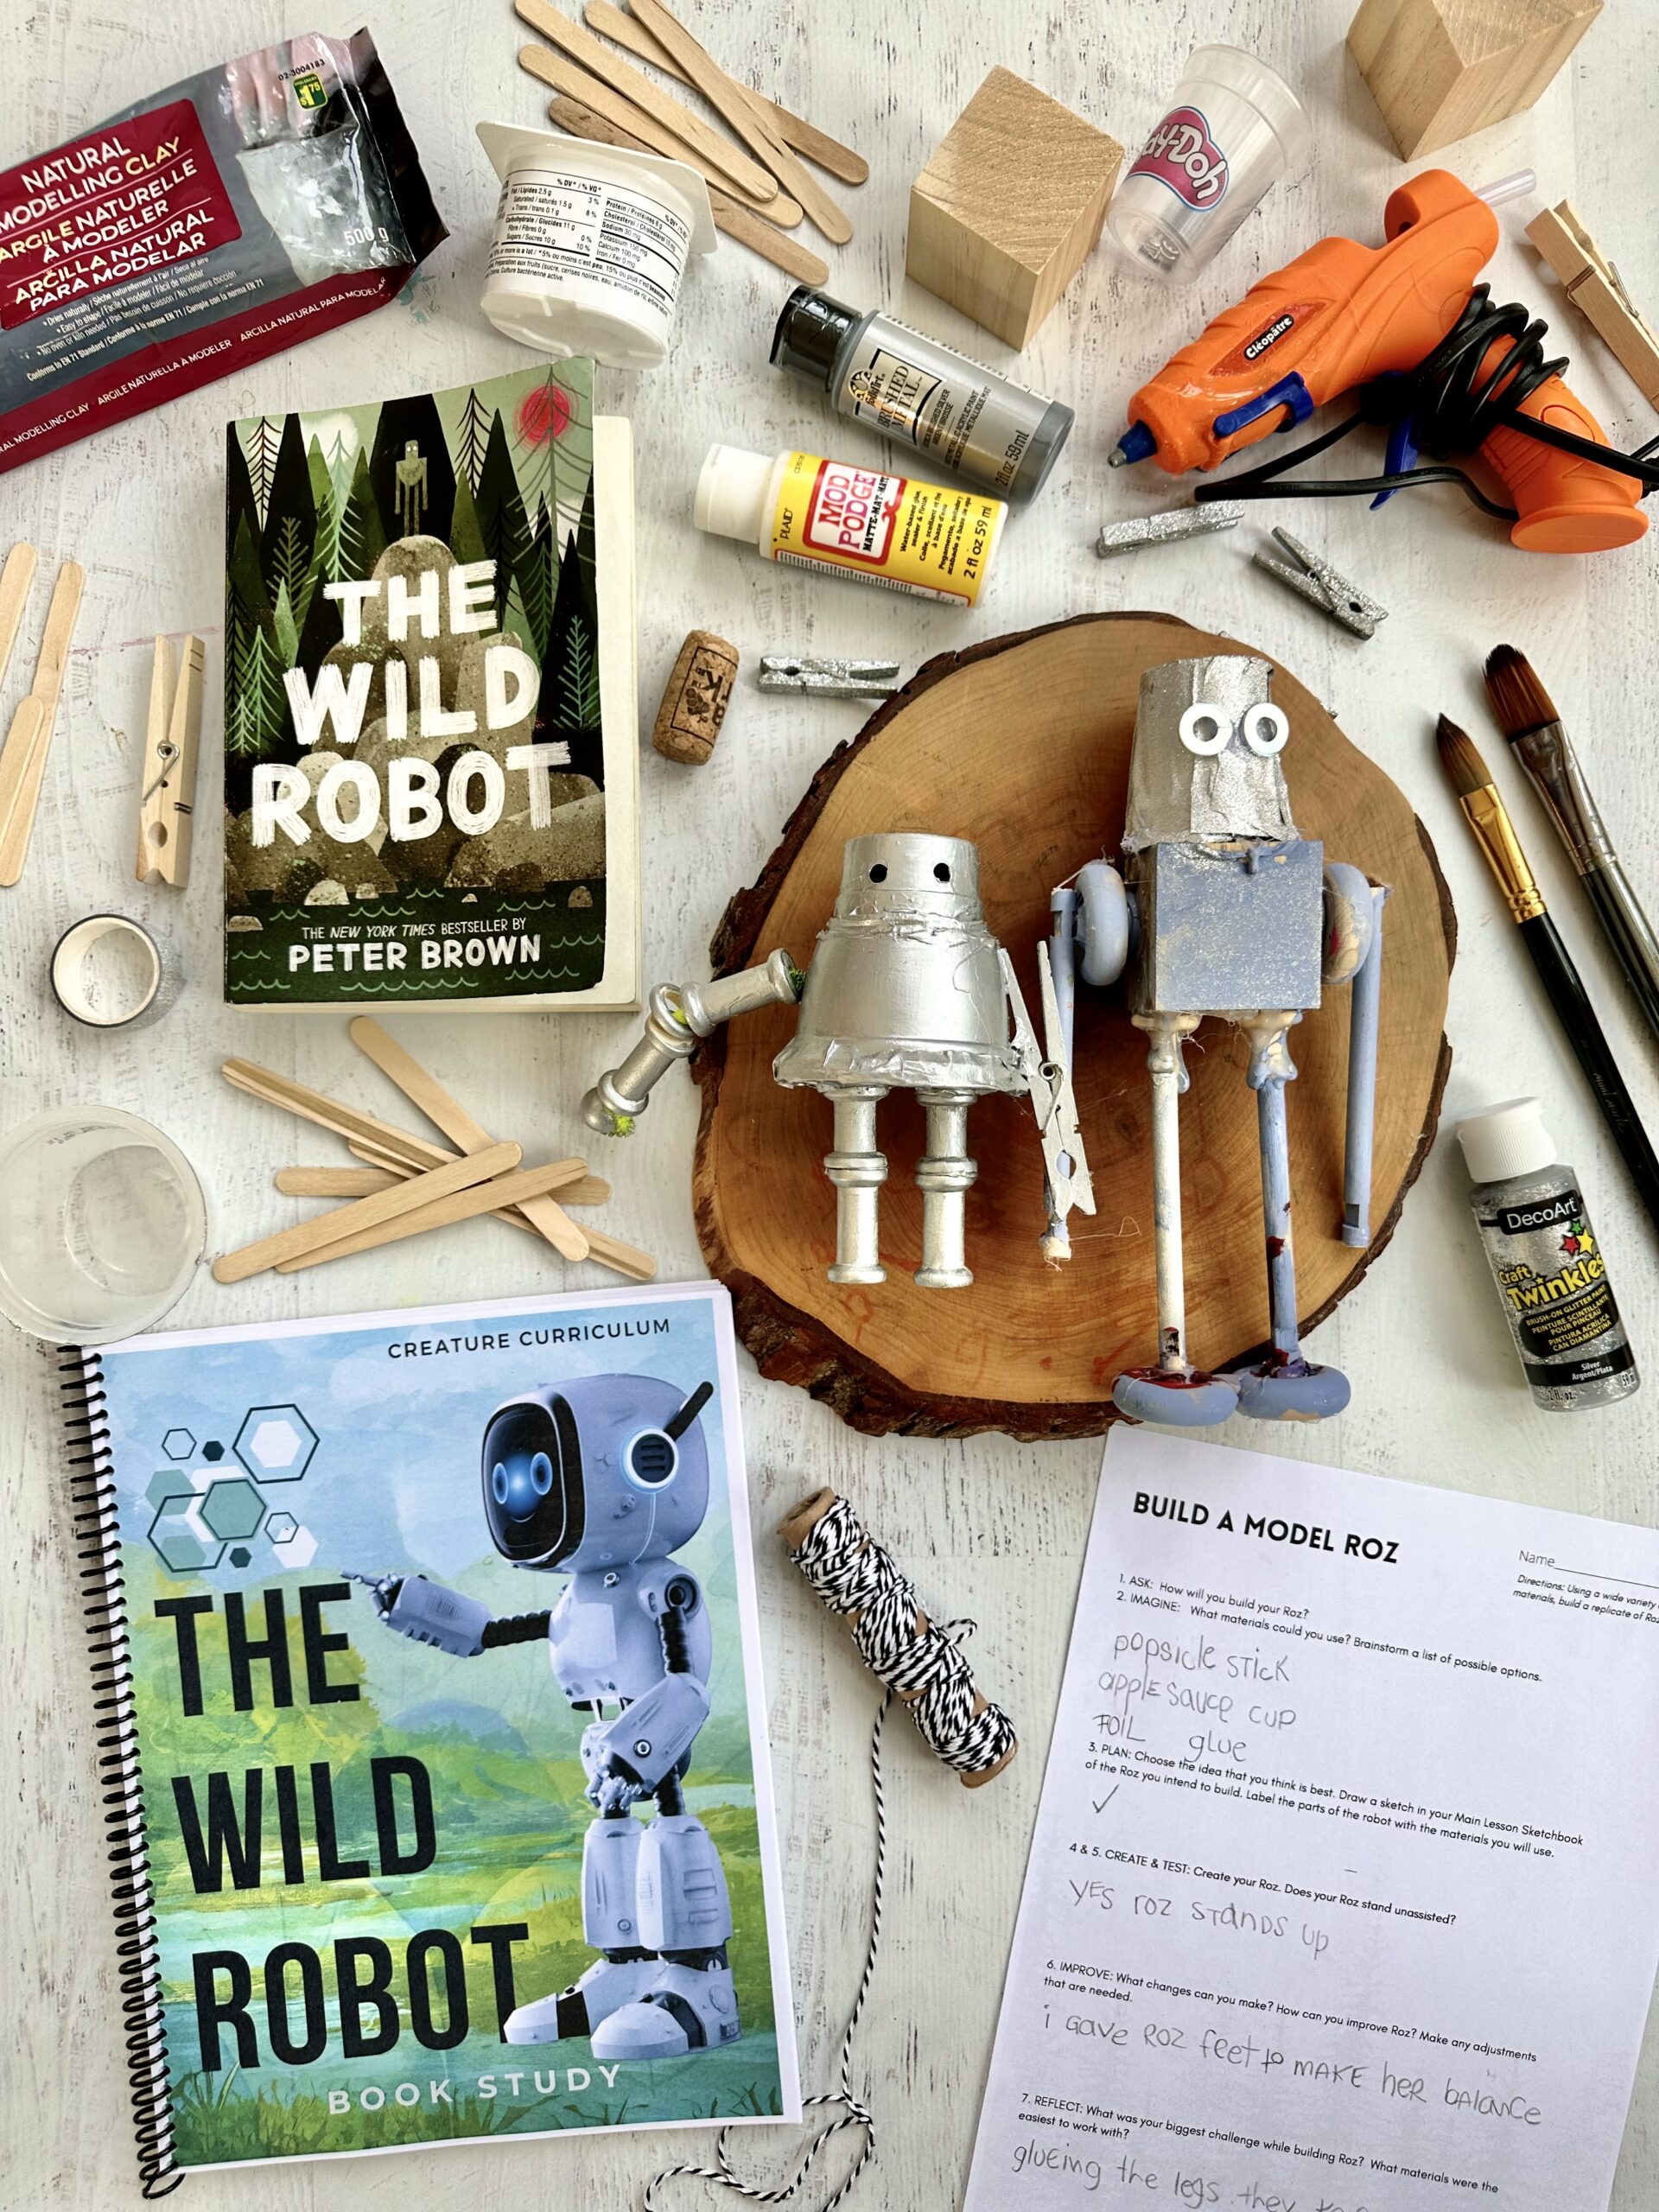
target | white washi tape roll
[{"x": 107, "y": 972}]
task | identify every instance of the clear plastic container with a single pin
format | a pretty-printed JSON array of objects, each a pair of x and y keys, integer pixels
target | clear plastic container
[
  {"x": 1232, "y": 128},
  {"x": 102, "y": 1226}
]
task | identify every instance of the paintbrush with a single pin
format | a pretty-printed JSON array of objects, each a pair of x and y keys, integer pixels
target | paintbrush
[
  {"x": 1527, "y": 717},
  {"x": 1488, "y": 817}
]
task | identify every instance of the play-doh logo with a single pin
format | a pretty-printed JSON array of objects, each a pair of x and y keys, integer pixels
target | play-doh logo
[
  {"x": 852, "y": 512},
  {"x": 1181, "y": 154}
]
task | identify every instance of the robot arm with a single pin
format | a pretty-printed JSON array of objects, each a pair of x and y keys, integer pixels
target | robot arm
[
  {"x": 1353, "y": 954},
  {"x": 428, "y": 1613},
  {"x": 678, "y": 1014}
]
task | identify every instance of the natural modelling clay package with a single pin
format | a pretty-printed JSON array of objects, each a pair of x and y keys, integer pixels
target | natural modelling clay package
[{"x": 228, "y": 217}]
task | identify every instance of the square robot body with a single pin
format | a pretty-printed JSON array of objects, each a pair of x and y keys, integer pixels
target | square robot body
[{"x": 1230, "y": 893}]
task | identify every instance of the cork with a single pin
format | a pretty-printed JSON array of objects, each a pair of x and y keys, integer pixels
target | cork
[{"x": 695, "y": 701}]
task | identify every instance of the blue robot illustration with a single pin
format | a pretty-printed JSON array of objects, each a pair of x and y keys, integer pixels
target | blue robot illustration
[{"x": 603, "y": 1480}]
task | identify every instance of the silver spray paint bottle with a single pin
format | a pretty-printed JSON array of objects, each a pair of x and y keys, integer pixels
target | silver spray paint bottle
[
  {"x": 956, "y": 411},
  {"x": 1546, "y": 1261}
]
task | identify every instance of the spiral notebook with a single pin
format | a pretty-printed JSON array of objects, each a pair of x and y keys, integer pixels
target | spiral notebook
[{"x": 426, "y": 1648}]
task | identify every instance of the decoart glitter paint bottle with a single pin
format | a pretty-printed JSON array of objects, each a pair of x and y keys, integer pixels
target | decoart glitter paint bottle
[
  {"x": 1546, "y": 1261},
  {"x": 962, "y": 415}
]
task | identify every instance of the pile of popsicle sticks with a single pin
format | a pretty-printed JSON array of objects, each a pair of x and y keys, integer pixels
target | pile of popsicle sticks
[
  {"x": 28, "y": 735},
  {"x": 759, "y": 186},
  {"x": 408, "y": 1184}
]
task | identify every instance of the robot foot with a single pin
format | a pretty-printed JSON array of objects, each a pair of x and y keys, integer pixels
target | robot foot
[
  {"x": 1297, "y": 1391},
  {"x": 1188, "y": 1399},
  {"x": 686, "y": 2008},
  {"x": 609, "y": 1986}
]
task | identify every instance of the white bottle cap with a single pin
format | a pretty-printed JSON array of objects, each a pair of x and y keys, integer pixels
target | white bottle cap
[
  {"x": 731, "y": 499},
  {"x": 1507, "y": 1140}
]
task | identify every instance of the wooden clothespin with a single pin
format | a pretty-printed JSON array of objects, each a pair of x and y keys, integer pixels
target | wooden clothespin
[
  {"x": 1595, "y": 287},
  {"x": 166, "y": 789}
]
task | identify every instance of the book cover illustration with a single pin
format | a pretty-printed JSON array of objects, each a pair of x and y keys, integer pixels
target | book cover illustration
[
  {"x": 450, "y": 1733},
  {"x": 415, "y": 763}
]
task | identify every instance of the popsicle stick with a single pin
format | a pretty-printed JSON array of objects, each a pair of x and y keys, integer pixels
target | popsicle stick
[
  {"x": 730, "y": 161},
  {"x": 14, "y": 580},
  {"x": 732, "y": 101},
  {"x": 744, "y": 224},
  {"x": 363, "y": 1182},
  {"x": 447, "y": 1114},
  {"x": 577, "y": 84},
  {"x": 376, "y": 1213},
  {"x": 794, "y": 129},
  {"x": 20, "y": 790},
  {"x": 25, "y": 739},
  {"x": 328, "y": 1114},
  {"x": 626, "y": 1258},
  {"x": 521, "y": 1190}
]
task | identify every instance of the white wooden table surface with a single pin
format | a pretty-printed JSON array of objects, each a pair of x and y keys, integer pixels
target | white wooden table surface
[{"x": 992, "y": 1527}]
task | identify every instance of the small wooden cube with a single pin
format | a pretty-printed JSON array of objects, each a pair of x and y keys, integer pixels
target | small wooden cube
[
  {"x": 1440, "y": 69},
  {"x": 1010, "y": 206}
]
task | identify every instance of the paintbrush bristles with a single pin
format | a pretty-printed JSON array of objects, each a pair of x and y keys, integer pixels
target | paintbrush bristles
[
  {"x": 1519, "y": 700},
  {"x": 1462, "y": 762}
]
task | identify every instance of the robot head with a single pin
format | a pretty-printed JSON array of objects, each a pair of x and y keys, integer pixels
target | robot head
[
  {"x": 1206, "y": 766},
  {"x": 607, "y": 1471},
  {"x": 908, "y": 873}
]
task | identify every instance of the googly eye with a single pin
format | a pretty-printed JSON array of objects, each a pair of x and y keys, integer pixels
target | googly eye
[
  {"x": 1204, "y": 729},
  {"x": 541, "y": 1474},
  {"x": 498, "y": 1484},
  {"x": 1264, "y": 729}
]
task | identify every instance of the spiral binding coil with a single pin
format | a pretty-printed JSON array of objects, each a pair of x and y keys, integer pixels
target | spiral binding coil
[{"x": 103, "y": 1603}]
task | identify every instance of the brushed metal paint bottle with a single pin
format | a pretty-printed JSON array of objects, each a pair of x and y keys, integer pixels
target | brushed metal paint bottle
[
  {"x": 958, "y": 412},
  {"x": 1546, "y": 1261}
]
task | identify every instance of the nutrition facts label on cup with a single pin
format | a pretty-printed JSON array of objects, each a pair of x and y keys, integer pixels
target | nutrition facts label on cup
[{"x": 554, "y": 224}]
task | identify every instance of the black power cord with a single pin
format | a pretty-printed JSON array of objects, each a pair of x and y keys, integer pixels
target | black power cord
[{"x": 1452, "y": 406}]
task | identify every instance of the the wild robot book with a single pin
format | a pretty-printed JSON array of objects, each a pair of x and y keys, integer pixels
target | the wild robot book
[{"x": 447, "y": 1732}]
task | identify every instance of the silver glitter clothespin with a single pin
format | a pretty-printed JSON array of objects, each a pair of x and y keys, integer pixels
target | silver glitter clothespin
[
  {"x": 1323, "y": 587},
  {"x": 1169, "y": 527},
  {"x": 828, "y": 678}
]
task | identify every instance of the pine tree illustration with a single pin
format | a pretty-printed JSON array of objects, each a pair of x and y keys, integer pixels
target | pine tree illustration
[
  {"x": 258, "y": 703},
  {"x": 579, "y": 677},
  {"x": 289, "y": 555},
  {"x": 534, "y": 576},
  {"x": 340, "y": 467},
  {"x": 501, "y": 514},
  {"x": 262, "y": 449},
  {"x": 285, "y": 628},
  {"x": 362, "y": 541},
  {"x": 471, "y": 440}
]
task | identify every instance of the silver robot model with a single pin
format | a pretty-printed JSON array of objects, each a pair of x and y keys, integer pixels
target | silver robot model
[
  {"x": 907, "y": 990},
  {"x": 603, "y": 1480},
  {"x": 1223, "y": 908}
]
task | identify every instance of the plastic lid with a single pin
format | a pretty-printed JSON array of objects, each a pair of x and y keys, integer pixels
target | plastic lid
[
  {"x": 1507, "y": 1140},
  {"x": 811, "y": 332},
  {"x": 731, "y": 499}
]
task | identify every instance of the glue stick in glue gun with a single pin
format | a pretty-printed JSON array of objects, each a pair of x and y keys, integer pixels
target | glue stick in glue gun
[{"x": 1343, "y": 314}]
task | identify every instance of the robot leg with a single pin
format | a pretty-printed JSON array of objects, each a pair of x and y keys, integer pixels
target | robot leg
[
  {"x": 626, "y": 1966},
  {"x": 1174, "y": 1394},
  {"x": 1284, "y": 1386},
  {"x": 686, "y": 1916}
]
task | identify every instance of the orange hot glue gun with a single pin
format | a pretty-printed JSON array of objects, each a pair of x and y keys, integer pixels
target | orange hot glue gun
[{"x": 1407, "y": 324}]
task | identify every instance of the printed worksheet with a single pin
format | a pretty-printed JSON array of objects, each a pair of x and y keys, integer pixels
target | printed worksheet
[{"x": 1344, "y": 1891}]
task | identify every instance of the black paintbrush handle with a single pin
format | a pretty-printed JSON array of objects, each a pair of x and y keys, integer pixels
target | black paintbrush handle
[{"x": 1578, "y": 1017}]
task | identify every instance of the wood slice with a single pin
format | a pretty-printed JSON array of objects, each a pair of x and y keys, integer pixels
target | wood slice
[{"x": 1022, "y": 744}]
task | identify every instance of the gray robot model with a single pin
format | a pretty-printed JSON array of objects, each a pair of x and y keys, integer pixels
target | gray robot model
[
  {"x": 603, "y": 1480},
  {"x": 1223, "y": 908},
  {"x": 907, "y": 990}
]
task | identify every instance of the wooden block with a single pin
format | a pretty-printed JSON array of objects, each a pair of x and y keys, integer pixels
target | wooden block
[
  {"x": 695, "y": 698},
  {"x": 1440, "y": 69},
  {"x": 1009, "y": 206}
]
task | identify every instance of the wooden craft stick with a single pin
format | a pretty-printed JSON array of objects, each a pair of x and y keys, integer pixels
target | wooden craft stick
[
  {"x": 20, "y": 787},
  {"x": 576, "y": 84},
  {"x": 626, "y": 1258},
  {"x": 521, "y": 1190},
  {"x": 14, "y": 580},
  {"x": 167, "y": 788},
  {"x": 744, "y": 224},
  {"x": 328, "y": 1114},
  {"x": 730, "y": 161},
  {"x": 593, "y": 1189},
  {"x": 363, "y": 1182},
  {"x": 447, "y": 1114},
  {"x": 377, "y": 1212},
  {"x": 732, "y": 101},
  {"x": 794, "y": 129}
]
